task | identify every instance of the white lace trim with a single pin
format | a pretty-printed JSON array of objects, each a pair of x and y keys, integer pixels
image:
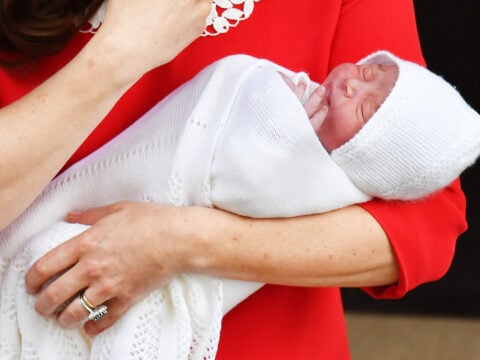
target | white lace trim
[{"x": 224, "y": 15}]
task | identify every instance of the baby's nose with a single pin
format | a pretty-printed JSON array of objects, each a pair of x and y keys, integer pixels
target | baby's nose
[{"x": 352, "y": 85}]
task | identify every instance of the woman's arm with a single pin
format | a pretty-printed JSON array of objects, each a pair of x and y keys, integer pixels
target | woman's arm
[
  {"x": 339, "y": 248},
  {"x": 150, "y": 243},
  {"x": 42, "y": 130}
]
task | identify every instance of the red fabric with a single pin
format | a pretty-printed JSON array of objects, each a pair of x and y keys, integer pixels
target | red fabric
[{"x": 313, "y": 35}]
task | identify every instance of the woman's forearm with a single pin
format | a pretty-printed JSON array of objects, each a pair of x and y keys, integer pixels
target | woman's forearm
[
  {"x": 42, "y": 130},
  {"x": 135, "y": 247},
  {"x": 346, "y": 247}
]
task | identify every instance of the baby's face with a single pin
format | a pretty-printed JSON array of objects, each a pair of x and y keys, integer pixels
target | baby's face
[{"x": 353, "y": 94}]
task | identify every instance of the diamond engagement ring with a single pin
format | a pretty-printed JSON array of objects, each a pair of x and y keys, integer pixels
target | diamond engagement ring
[{"x": 95, "y": 313}]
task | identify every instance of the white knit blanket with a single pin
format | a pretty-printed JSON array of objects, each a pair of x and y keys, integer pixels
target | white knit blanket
[{"x": 234, "y": 137}]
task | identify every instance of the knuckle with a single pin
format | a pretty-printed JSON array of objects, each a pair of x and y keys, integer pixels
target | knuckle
[
  {"x": 51, "y": 296},
  {"x": 94, "y": 267},
  {"x": 128, "y": 298},
  {"x": 41, "y": 268},
  {"x": 205, "y": 7},
  {"x": 86, "y": 242},
  {"x": 107, "y": 289},
  {"x": 71, "y": 313}
]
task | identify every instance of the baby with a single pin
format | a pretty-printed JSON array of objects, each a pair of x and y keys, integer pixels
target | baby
[
  {"x": 398, "y": 130},
  {"x": 237, "y": 137},
  {"x": 354, "y": 94}
]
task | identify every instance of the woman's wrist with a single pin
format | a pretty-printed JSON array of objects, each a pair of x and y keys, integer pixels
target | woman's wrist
[
  {"x": 115, "y": 68},
  {"x": 190, "y": 238},
  {"x": 130, "y": 48},
  {"x": 207, "y": 244},
  {"x": 219, "y": 243},
  {"x": 315, "y": 250}
]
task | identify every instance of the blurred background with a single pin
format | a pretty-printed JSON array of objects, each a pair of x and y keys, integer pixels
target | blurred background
[{"x": 440, "y": 320}]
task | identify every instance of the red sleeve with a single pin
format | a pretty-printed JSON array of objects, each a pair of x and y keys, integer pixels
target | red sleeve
[{"x": 423, "y": 234}]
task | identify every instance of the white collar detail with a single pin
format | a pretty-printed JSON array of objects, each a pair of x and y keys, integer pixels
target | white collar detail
[{"x": 226, "y": 14}]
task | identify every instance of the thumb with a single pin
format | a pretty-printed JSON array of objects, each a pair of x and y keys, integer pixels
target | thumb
[{"x": 90, "y": 216}]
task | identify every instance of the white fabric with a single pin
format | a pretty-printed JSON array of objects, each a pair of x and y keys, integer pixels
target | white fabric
[
  {"x": 421, "y": 138},
  {"x": 226, "y": 14},
  {"x": 234, "y": 137}
]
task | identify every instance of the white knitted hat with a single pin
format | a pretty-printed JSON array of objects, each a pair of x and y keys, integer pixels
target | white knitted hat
[{"x": 419, "y": 140}]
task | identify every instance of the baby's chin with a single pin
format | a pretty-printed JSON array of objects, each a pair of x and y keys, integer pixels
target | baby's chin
[{"x": 328, "y": 139}]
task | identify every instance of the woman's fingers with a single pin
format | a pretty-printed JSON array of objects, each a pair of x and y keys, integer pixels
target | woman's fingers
[
  {"x": 93, "y": 215},
  {"x": 55, "y": 295},
  {"x": 55, "y": 262},
  {"x": 123, "y": 256},
  {"x": 116, "y": 309},
  {"x": 85, "y": 268},
  {"x": 78, "y": 310}
]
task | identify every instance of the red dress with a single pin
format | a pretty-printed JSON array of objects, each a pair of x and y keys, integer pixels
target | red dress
[{"x": 280, "y": 322}]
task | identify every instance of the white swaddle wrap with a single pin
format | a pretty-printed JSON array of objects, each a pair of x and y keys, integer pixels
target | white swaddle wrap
[{"x": 234, "y": 137}]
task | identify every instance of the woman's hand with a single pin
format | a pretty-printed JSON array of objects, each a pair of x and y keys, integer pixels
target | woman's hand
[
  {"x": 143, "y": 34},
  {"x": 133, "y": 248},
  {"x": 126, "y": 254}
]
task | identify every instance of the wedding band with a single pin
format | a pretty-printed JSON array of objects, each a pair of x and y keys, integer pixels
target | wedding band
[
  {"x": 95, "y": 313},
  {"x": 88, "y": 303}
]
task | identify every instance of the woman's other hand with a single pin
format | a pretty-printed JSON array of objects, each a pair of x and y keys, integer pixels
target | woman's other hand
[
  {"x": 135, "y": 37},
  {"x": 141, "y": 35}
]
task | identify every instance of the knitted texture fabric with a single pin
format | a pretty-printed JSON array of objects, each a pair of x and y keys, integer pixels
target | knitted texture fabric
[
  {"x": 234, "y": 137},
  {"x": 419, "y": 140}
]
